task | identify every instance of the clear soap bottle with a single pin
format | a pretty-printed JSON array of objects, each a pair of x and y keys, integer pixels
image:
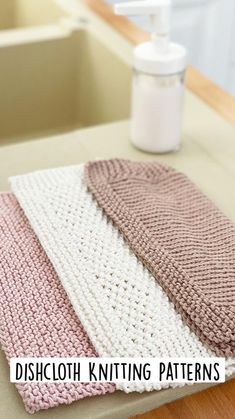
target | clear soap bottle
[{"x": 158, "y": 81}]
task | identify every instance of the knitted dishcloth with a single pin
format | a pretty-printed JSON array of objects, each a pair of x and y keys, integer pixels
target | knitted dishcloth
[
  {"x": 122, "y": 307},
  {"x": 36, "y": 317},
  {"x": 179, "y": 234}
]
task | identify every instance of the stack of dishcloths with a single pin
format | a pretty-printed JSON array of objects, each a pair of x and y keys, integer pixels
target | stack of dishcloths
[{"x": 113, "y": 259}]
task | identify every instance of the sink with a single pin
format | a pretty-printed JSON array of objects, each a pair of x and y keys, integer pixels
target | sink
[
  {"x": 59, "y": 78},
  {"x": 24, "y": 13}
]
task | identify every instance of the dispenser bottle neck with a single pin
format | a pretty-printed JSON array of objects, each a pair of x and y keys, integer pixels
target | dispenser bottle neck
[{"x": 161, "y": 43}]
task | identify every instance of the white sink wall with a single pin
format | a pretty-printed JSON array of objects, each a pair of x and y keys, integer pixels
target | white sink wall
[{"x": 24, "y": 13}]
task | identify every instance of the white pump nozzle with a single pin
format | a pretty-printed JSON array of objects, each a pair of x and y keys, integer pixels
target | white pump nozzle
[
  {"x": 158, "y": 56},
  {"x": 159, "y": 12}
]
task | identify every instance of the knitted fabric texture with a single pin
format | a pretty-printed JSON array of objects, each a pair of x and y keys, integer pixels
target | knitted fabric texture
[
  {"x": 36, "y": 317},
  {"x": 179, "y": 234},
  {"x": 122, "y": 307}
]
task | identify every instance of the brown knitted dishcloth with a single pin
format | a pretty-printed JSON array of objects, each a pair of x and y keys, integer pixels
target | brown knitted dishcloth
[{"x": 182, "y": 238}]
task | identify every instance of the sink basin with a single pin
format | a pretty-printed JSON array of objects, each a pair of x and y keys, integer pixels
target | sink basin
[
  {"x": 62, "y": 79},
  {"x": 23, "y": 13}
]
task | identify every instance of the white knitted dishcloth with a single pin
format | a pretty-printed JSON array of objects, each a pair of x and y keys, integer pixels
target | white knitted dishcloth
[{"x": 123, "y": 309}]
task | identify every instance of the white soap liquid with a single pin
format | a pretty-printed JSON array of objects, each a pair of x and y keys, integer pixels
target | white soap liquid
[{"x": 157, "y": 104}]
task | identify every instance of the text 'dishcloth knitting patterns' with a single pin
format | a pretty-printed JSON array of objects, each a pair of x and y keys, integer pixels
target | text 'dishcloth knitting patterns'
[
  {"x": 121, "y": 305},
  {"x": 36, "y": 317},
  {"x": 179, "y": 234}
]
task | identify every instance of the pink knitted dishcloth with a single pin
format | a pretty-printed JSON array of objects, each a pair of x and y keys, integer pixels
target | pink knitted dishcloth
[
  {"x": 36, "y": 317},
  {"x": 182, "y": 238}
]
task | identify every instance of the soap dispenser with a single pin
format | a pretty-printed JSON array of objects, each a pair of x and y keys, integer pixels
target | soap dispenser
[{"x": 158, "y": 81}]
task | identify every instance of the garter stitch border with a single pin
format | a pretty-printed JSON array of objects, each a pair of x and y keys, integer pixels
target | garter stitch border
[
  {"x": 109, "y": 181},
  {"x": 121, "y": 306},
  {"x": 36, "y": 317}
]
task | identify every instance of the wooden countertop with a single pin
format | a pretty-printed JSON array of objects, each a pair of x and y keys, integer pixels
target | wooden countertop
[
  {"x": 214, "y": 403},
  {"x": 209, "y": 92}
]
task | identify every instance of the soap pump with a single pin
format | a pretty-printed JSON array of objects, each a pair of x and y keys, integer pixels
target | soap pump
[{"x": 158, "y": 81}]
